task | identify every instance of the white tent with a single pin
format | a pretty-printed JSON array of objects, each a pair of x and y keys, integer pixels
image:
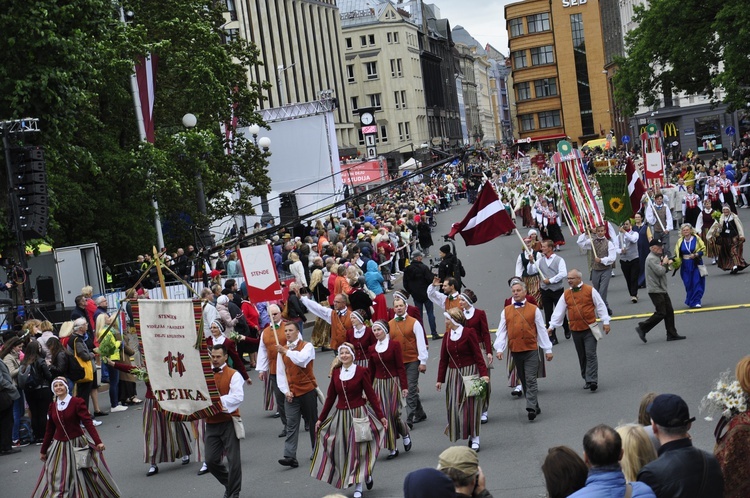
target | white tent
[{"x": 411, "y": 164}]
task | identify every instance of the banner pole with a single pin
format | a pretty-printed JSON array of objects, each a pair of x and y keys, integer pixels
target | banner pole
[{"x": 161, "y": 275}]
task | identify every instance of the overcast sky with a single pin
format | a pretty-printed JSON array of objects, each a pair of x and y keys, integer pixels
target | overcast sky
[{"x": 483, "y": 19}]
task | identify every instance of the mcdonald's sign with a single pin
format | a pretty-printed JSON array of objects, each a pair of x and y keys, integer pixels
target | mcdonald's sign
[{"x": 670, "y": 130}]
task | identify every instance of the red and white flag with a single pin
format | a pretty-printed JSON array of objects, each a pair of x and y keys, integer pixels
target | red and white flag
[
  {"x": 486, "y": 220},
  {"x": 636, "y": 188},
  {"x": 145, "y": 73}
]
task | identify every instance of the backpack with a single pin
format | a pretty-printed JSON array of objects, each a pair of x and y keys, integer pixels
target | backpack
[
  {"x": 26, "y": 378},
  {"x": 25, "y": 433}
]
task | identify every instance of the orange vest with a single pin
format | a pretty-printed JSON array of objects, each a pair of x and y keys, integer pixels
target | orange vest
[
  {"x": 339, "y": 326},
  {"x": 223, "y": 379},
  {"x": 450, "y": 304},
  {"x": 403, "y": 333},
  {"x": 521, "y": 325},
  {"x": 581, "y": 309},
  {"x": 270, "y": 342},
  {"x": 300, "y": 380}
]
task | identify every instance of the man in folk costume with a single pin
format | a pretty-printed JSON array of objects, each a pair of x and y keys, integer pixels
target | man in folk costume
[
  {"x": 583, "y": 305},
  {"x": 221, "y": 437},
  {"x": 552, "y": 270},
  {"x": 602, "y": 254},
  {"x": 659, "y": 217},
  {"x": 272, "y": 336},
  {"x": 339, "y": 317},
  {"x": 408, "y": 332},
  {"x": 522, "y": 330},
  {"x": 448, "y": 298},
  {"x": 296, "y": 379},
  {"x": 678, "y": 202}
]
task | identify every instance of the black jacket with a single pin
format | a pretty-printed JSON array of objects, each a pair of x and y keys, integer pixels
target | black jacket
[
  {"x": 417, "y": 277},
  {"x": 683, "y": 471},
  {"x": 450, "y": 266}
]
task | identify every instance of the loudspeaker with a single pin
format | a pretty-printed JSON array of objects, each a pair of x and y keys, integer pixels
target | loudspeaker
[
  {"x": 45, "y": 291},
  {"x": 288, "y": 210}
]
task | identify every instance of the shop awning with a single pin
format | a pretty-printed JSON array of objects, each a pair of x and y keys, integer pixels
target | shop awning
[{"x": 542, "y": 138}]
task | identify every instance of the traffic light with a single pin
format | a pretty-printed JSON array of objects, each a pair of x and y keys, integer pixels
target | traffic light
[{"x": 30, "y": 186}]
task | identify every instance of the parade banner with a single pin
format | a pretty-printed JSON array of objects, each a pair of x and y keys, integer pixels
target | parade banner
[
  {"x": 176, "y": 359},
  {"x": 578, "y": 205},
  {"x": 260, "y": 273},
  {"x": 615, "y": 197}
]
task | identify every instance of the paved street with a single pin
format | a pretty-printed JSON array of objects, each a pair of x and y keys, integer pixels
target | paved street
[{"x": 512, "y": 448}]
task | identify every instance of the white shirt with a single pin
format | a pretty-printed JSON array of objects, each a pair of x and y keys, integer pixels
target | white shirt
[
  {"x": 651, "y": 215},
  {"x": 437, "y": 297},
  {"x": 316, "y": 309},
  {"x": 561, "y": 274},
  {"x": 262, "y": 362},
  {"x": 422, "y": 354},
  {"x": 62, "y": 404},
  {"x": 561, "y": 307},
  {"x": 382, "y": 346},
  {"x": 300, "y": 358},
  {"x": 232, "y": 400},
  {"x": 542, "y": 338}
]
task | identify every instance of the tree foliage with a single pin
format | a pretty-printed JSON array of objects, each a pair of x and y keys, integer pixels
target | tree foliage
[
  {"x": 686, "y": 45},
  {"x": 69, "y": 64}
]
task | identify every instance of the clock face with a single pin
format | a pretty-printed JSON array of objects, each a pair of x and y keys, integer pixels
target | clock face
[{"x": 366, "y": 118}]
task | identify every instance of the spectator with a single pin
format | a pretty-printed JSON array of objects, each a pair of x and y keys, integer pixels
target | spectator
[
  {"x": 645, "y": 420},
  {"x": 733, "y": 445},
  {"x": 461, "y": 464},
  {"x": 428, "y": 483},
  {"x": 564, "y": 472},
  {"x": 637, "y": 450}
]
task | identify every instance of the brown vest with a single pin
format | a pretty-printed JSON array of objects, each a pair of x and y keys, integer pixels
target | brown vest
[
  {"x": 339, "y": 326},
  {"x": 450, "y": 304},
  {"x": 581, "y": 309},
  {"x": 602, "y": 250},
  {"x": 521, "y": 323},
  {"x": 403, "y": 333},
  {"x": 270, "y": 343},
  {"x": 223, "y": 379},
  {"x": 300, "y": 380}
]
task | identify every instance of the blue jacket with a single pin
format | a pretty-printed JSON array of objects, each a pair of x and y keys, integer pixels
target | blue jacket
[
  {"x": 373, "y": 278},
  {"x": 609, "y": 482}
]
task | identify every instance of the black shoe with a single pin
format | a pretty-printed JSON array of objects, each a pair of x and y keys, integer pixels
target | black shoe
[
  {"x": 609, "y": 311},
  {"x": 370, "y": 483},
  {"x": 289, "y": 462},
  {"x": 676, "y": 337},
  {"x": 554, "y": 340},
  {"x": 323, "y": 349},
  {"x": 101, "y": 414},
  {"x": 531, "y": 413},
  {"x": 152, "y": 471},
  {"x": 641, "y": 333},
  {"x": 567, "y": 334},
  {"x": 391, "y": 457},
  {"x": 203, "y": 471},
  {"x": 276, "y": 415},
  {"x": 517, "y": 393},
  {"x": 10, "y": 451},
  {"x": 587, "y": 385},
  {"x": 407, "y": 447},
  {"x": 420, "y": 419},
  {"x": 283, "y": 433},
  {"x": 410, "y": 423},
  {"x": 435, "y": 337},
  {"x": 594, "y": 386}
]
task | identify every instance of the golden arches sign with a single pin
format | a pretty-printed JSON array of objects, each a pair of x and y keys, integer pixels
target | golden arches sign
[{"x": 670, "y": 130}]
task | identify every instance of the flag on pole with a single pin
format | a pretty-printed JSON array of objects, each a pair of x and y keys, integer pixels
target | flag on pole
[
  {"x": 486, "y": 220},
  {"x": 145, "y": 73},
  {"x": 615, "y": 197},
  {"x": 636, "y": 188}
]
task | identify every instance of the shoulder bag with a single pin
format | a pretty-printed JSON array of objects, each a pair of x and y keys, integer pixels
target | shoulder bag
[
  {"x": 82, "y": 454},
  {"x": 86, "y": 365},
  {"x": 361, "y": 425},
  {"x": 471, "y": 386},
  {"x": 239, "y": 427}
]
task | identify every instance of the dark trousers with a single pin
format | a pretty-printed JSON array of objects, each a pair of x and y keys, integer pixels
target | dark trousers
[
  {"x": 39, "y": 401},
  {"x": 221, "y": 438},
  {"x": 114, "y": 384},
  {"x": 280, "y": 399},
  {"x": 414, "y": 408},
  {"x": 305, "y": 406},
  {"x": 549, "y": 300},
  {"x": 664, "y": 311},
  {"x": 585, "y": 343},
  {"x": 6, "y": 428},
  {"x": 428, "y": 307},
  {"x": 631, "y": 270},
  {"x": 527, "y": 366},
  {"x": 83, "y": 391}
]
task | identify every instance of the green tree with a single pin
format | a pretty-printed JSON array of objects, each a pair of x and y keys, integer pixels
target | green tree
[
  {"x": 69, "y": 64},
  {"x": 686, "y": 45}
]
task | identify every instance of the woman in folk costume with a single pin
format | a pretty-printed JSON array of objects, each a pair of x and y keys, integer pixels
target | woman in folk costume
[
  {"x": 731, "y": 240},
  {"x": 361, "y": 337},
  {"x": 338, "y": 458},
  {"x": 60, "y": 476},
  {"x": 539, "y": 218},
  {"x": 460, "y": 356},
  {"x": 532, "y": 281},
  {"x": 689, "y": 252},
  {"x": 163, "y": 440},
  {"x": 553, "y": 226},
  {"x": 389, "y": 382},
  {"x": 476, "y": 320},
  {"x": 321, "y": 333},
  {"x": 703, "y": 226}
]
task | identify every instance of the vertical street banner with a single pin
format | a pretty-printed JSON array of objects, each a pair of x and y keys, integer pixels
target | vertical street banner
[
  {"x": 174, "y": 351},
  {"x": 615, "y": 197},
  {"x": 260, "y": 273}
]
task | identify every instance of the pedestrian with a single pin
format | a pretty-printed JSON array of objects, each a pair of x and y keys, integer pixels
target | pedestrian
[
  {"x": 552, "y": 272},
  {"x": 657, "y": 266},
  {"x": 602, "y": 256},
  {"x": 514, "y": 380},
  {"x": 688, "y": 253},
  {"x": 583, "y": 305},
  {"x": 731, "y": 241},
  {"x": 644, "y": 237},
  {"x": 476, "y": 320},
  {"x": 9, "y": 393},
  {"x": 272, "y": 336},
  {"x": 10, "y": 354},
  {"x": 682, "y": 470},
  {"x": 522, "y": 331},
  {"x": 417, "y": 279},
  {"x": 564, "y": 472},
  {"x": 637, "y": 450},
  {"x": 450, "y": 266},
  {"x": 629, "y": 258},
  {"x": 37, "y": 389}
]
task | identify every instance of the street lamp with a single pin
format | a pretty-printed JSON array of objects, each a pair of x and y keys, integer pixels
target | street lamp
[
  {"x": 206, "y": 239},
  {"x": 265, "y": 144}
]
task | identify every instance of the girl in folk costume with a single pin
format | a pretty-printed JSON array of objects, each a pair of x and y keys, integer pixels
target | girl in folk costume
[
  {"x": 338, "y": 458},
  {"x": 714, "y": 194},
  {"x": 705, "y": 221},
  {"x": 689, "y": 253},
  {"x": 460, "y": 356},
  {"x": 60, "y": 476},
  {"x": 163, "y": 440},
  {"x": 476, "y": 320},
  {"x": 730, "y": 241},
  {"x": 389, "y": 382},
  {"x": 361, "y": 337},
  {"x": 691, "y": 207},
  {"x": 539, "y": 217},
  {"x": 727, "y": 191},
  {"x": 553, "y": 226}
]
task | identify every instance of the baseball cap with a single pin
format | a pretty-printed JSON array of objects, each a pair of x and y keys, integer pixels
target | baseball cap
[
  {"x": 416, "y": 254},
  {"x": 655, "y": 242},
  {"x": 460, "y": 458},
  {"x": 669, "y": 410}
]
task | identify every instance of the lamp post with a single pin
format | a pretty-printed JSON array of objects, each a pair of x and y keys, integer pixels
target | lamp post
[
  {"x": 206, "y": 239},
  {"x": 265, "y": 144}
]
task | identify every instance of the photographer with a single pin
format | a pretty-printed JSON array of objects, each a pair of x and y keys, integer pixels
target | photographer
[
  {"x": 461, "y": 464},
  {"x": 450, "y": 266}
]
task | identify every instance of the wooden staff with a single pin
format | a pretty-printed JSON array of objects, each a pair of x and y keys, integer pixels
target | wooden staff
[
  {"x": 656, "y": 215},
  {"x": 529, "y": 252},
  {"x": 161, "y": 275}
]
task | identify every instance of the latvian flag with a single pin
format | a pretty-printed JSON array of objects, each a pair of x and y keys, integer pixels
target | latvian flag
[
  {"x": 486, "y": 220},
  {"x": 145, "y": 72}
]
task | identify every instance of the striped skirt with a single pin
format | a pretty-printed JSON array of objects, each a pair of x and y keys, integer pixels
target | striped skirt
[
  {"x": 269, "y": 401},
  {"x": 486, "y": 404},
  {"x": 321, "y": 332},
  {"x": 389, "y": 392},
  {"x": 464, "y": 412},
  {"x": 361, "y": 363},
  {"x": 338, "y": 459},
  {"x": 532, "y": 287},
  {"x": 61, "y": 479},
  {"x": 197, "y": 429},
  {"x": 163, "y": 441},
  {"x": 513, "y": 379}
]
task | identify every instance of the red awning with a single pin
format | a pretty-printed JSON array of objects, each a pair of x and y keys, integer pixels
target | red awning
[{"x": 542, "y": 138}]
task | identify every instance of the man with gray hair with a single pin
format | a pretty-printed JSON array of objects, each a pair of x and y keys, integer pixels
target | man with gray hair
[
  {"x": 79, "y": 348},
  {"x": 272, "y": 337}
]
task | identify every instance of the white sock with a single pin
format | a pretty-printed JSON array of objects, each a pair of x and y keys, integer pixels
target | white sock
[
  {"x": 358, "y": 487},
  {"x": 474, "y": 439},
  {"x": 407, "y": 440},
  {"x": 393, "y": 452},
  {"x": 484, "y": 414}
]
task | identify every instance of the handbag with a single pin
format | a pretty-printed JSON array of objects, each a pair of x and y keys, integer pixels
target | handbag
[
  {"x": 239, "y": 427},
  {"x": 88, "y": 368},
  {"x": 702, "y": 270},
  {"x": 361, "y": 425},
  {"x": 471, "y": 386}
]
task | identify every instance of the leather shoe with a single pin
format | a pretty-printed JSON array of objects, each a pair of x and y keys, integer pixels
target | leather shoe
[
  {"x": 436, "y": 338},
  {"x": 410, "y": 423},
  {"x": 676, "y": 337},
  {"x": 100, "y": 414},
  {"x": 370, "y": 483},
  {"x": 567, "y": 335},
  {"x": 587, "y": 385},
  {"x": 531, "y": 413},
  {"x": 420, "y": 419},
  {"x": 282, "y": 434},
  {"x": 594, "y": 386},
  {"x": 152, "y": 471},
  {"x": 641, "y": 333},
  {"x": 554, "y": 340},
  {"x": 276, "y": 415},
  {"x": 391, "y": 457},
  {"x": 289, "y": 462},
  {"x": 407, "y": 447}
]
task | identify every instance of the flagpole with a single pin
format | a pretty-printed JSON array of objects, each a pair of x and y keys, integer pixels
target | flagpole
[{"x": 528, "y": 251}]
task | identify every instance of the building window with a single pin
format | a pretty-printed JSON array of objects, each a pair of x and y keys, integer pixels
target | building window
[
  {"x": 549, "y": 119},
  {"x": 542, "y": 55},
  {"x": 516, "y": 27},
  {"x": 383, "y": 134},
  {"x": 361, "y": 136},
  {"x": 230, "y": 35},
  {"x": 545, "y": 88},
  {"x": 363, "y": 40},
  {"x": 231, "y": 9},
  {"x": 708, "y": 133},
  {"x": 375, "y": 101},
  {"x": 395, "y": 37},
  {"x": 350, "y": 73},
  {"x": 400, "y": 99},
  {"x": 389, "y": 37},
  {"x": 392, "y": 37},
  {"x": 355, "y": 103},
  {"x": 397, "y": 69},
  {"x": 348, "y": 42},
  {"x": 526, "y": 121},
  {"x": 371, "y": 40},
  {"x": 371, "y": 68},
  {"x": 538, "y": 22},
  {"x": 524, "y": 91},
  {"x": 404, "y": 133},
  {"x": 582, "y": 75},
  {"x": 519, "y": 59}
]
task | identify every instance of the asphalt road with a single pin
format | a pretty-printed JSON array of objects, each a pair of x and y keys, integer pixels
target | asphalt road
[{"x": 512, "y": 448}]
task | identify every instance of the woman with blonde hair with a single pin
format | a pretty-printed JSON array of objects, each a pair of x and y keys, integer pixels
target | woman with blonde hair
[
  {"x": 733, "y": 440},
  {"x": 689, "y": 252},
  {"x": 321, "y": 333},
  {"x": 637, "y": 450},
  {"x": 297, "y": 269},
  {"x": 106, "y": 334}
]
